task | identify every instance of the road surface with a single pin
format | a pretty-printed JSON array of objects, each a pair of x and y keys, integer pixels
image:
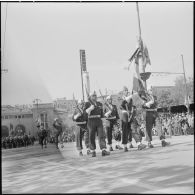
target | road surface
[{"x": 156, "y": 170}]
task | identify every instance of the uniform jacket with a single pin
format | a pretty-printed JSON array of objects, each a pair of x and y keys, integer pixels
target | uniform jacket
[
  {"x": 81, "y": 120},
  {"x": 114, "y": 113},
  {"x": 98, "y": 110},
  {"x": 129, "y": 105}
]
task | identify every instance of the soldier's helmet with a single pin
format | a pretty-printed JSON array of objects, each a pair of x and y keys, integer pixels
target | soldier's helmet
[
  {"x": 125, "y": 88},
  {"x": 80, "y": 101},
  {"x": 93, "y": 93}
]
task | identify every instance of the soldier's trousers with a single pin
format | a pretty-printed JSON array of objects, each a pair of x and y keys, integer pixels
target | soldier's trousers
[
  {"x": 135, "y": 130},
  {"x": 160, "y": 131},
  {"x": 125, "y": 127},
  {"x": 149, "y": 124},
  {"x": 82, "y": 131},
  {"x": 95, "y": 126},
  {"x": 43, "y": 141},
  {"x": 109, "y": 130}
]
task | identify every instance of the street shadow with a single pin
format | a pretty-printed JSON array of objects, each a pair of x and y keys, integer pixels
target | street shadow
[{"x": 174, "y": 176}]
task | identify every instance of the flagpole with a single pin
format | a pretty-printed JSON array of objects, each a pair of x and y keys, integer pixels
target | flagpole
[
  {"x": 185, "y": 80},
  {"x": 140, "y": 42},
  {"x": 82, "y": 77}
]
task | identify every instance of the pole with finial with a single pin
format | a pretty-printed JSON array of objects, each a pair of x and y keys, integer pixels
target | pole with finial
[{"x": 141, "y": 45}]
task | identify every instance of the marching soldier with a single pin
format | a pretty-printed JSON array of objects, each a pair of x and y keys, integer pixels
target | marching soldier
[
  {"x": 149, "y": 114},
  {"x": 58, "y": 126},
  {"x": 129, "y": 122},
  {"x": 95, "y": 113},
  {"x": 43, "y": 136},
  {"x": 112, "y": 117},
  {"x": 80, "y": 117},
  {"x": 151, "y": 117},
  {"x": 126, "y": 107}
]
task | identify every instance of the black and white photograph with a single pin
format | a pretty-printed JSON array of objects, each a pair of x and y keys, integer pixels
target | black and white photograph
[{"x": 97, "y": 97}]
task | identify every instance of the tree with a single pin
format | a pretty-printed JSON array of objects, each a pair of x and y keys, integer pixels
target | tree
[{"x": 179, "y": 91}]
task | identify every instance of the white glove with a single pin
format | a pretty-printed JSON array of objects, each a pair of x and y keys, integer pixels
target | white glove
[
  {"x": 148, "y": 104},
  {"x": 77, "y": 116},
  {"x": 90, "y": 109},
  {"x": 108, "y": 113},
  {"x": 128, "y": 98}
]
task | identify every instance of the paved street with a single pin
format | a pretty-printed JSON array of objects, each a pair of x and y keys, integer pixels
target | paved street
[{"x": 157, "y": 170}]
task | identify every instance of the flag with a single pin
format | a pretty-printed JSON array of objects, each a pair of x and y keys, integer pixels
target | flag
[{"x": 83, "y": 60}]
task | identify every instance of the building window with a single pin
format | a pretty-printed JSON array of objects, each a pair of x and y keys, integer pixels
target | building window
[
  {"x": 19, "y": 116},
  {"x": 22, "y": 116},
  {"x": 16, "y": 116},
  {"x": 6, "y": 117}
]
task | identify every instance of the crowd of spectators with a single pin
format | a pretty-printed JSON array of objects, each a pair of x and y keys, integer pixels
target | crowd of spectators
[
  {"x": 177, "y": 123},
  {"x": 17, "y": 141}
]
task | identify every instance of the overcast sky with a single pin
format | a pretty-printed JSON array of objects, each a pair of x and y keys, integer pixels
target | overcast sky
[{"x": 43, "y": 40}]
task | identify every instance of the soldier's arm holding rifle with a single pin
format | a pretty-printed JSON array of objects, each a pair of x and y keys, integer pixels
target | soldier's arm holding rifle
[{"x": 89, "y": 106}]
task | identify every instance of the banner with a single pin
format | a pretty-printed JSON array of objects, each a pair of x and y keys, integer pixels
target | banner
[{"x": 83, "y": 60}]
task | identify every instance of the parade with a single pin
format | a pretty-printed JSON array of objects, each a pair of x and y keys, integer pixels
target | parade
[{"x": 91, "y": 112}]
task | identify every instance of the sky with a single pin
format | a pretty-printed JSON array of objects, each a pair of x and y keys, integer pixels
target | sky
[{"x": 42, "y": 43}]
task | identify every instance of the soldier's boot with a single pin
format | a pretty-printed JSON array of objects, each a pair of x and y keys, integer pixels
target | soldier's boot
[
  {"x": 105, "y": 153},
  {"x": 93, "y": 154},
  {"x": 141, "y": 146},
  {"x": 111, "y": 149},
  {"x": 88, "y": 152},
  {"x": 125, "y": 149},
  {"x": 118, "y": 147},
  {"x": 131, "y": 146},
  {"x": 150, "y": 145},
  {"x": 164, "y": 143},
  {"x": 80, "y": 153}
]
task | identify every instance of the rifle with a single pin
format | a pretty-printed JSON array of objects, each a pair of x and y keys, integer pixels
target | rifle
[
  {"x": 77, "y": 106},
  {"x": 105, "y": 102},
  {"x": 88, "y": 97}
]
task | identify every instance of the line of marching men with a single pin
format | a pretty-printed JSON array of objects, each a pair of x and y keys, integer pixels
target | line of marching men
[
  {"x": 17, "y": 141},
  {"x": 88, "y": 117}
]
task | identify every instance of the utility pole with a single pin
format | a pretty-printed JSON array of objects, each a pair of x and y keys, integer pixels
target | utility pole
[
  {"x": 186, "y": 94},
  {"x": 82, "y": 61},
  {"x": 36, "y": 101}
]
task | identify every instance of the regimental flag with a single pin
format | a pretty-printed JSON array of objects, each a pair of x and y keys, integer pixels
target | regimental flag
[
  {"x": 83, "y": 60},
  {"x": 141, "y": 53},
  {"x": 144, "y": 53}
]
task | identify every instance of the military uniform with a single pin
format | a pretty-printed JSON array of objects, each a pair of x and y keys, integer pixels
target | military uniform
[
  {"x": 111, "y": 123},
  {"x": 81, "y": 129},
  {"x": 58, "y": 127},
  {"x": 95, "y": 125},
  {"x": 125, "y": 122},
  {"x": 150, "y": 116}
]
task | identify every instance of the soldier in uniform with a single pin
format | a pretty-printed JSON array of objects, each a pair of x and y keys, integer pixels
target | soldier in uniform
[
  {"x": 80, "y": 118},
  {"x": 112, "y": 117},
  {"x": 58, "y": 126},
  {"x": 130, "y": 126},
  {"x": 149, "y": 107},
  {"x": 94, "y": 110},
  {"x": 43, "y": 137}
]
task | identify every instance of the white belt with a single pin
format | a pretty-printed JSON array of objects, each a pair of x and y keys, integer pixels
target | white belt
[
  {"x": 80, "y": 123},
  {"x": 114, "y": 117},
  {"x": 94, "y": 116}
]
